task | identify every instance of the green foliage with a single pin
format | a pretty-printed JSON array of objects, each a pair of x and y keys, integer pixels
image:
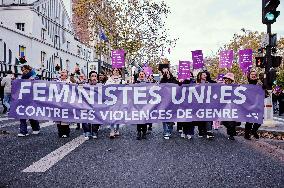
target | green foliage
[{"x": 246, "y": 40}]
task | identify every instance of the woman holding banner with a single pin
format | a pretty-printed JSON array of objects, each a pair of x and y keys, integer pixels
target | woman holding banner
[
  {"x": 167, "y": 78},
  {"x": 63, "y": 128},
  {"x": 187, "y": 128},
  {"x": 252, "y": 128},
  {"x": 28, "y": 73},
  {"x": 229, "y": 78},
  {"x": 202, "y": 125},
  {"x": 141, "y": 128},
  {"x": 91, "y": 130},
  {"x": 115, "y": 78}
]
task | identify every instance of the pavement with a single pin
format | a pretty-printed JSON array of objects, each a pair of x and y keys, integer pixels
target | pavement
[{"x": 45, "y": 160}]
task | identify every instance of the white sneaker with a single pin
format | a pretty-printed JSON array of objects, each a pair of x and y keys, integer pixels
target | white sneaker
[
  {"x": 182, "y": 135},
  {"x": 180, "y": 131},
  {"x": 86, "y": 138},
  {"x": 22, "y": 135},
  {"x": 95, "y": 136},
  {"x": 64, "y": 136},
  {"x": 166, "y": 137},
  {"x": 35, "y": 132},
  {"x": 116, "y": 133},
  {"x": 189, "y": 137}
]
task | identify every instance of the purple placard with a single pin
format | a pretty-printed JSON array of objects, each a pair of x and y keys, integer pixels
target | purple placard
[
  {"x": 184, "y": 70},
  {"x": 220, "y": 77},
  {"x": 136, "y": 103},
  {"x": 226, "y": 59},
  {"x": 148, "y": 71},
  {"x": 245, "y": 60},
  {"x": 118, "y": 58},
  {"x": 197, "y": 58}
]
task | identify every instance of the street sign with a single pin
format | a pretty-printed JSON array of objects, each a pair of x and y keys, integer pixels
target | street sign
[{"x": 264, "y": 40}]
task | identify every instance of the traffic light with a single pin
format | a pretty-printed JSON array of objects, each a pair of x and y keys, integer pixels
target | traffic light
[
  {"x": 269, "y": 12},
  {"x": 260, "y": 62}
]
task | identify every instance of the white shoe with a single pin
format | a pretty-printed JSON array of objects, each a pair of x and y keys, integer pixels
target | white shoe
[
  {"x": 35, "y": 132},
  {"x": 189, "y": 137},
  {"x": 95, "y": 136},
  {"x": 116, "y": 133},
  {"x": 64, "y": 136},
  {"x": 182, "y": 135},
  {"x": 22, "y": 135},
  {"x": 86, "y": 138},
  {"x": 180, "y": 131}
]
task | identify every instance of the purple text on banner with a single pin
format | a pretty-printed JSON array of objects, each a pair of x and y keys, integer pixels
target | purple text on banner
[
  {"x": 136, "y": 103},
  {"x": 118, "y": 58},
  {"x": 184, "y": 70},
  {"x": 148, "y": 71},
  {"x": 197, "y": 58},
  {"x": 226, "y": 59},
  {"x": 245, "y": 60}
]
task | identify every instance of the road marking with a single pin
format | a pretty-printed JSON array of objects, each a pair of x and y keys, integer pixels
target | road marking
[
  {"x": 51, "y": 159},
  {"x": 9, "y": 124},
  {"x": 5, "y": 119}
]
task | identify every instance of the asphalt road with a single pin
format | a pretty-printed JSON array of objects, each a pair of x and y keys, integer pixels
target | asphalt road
[{"x": 126, "y": 162}]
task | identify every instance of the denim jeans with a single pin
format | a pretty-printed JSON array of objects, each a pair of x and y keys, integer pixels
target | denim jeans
[
  {"x": 24, "y": 126},
  {"x": 168, "y": 128},
  {"x": 7, "y": 100}
]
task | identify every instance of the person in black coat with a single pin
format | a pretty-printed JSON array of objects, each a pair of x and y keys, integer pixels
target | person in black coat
[
  {"x": 141, "y": 128},
  {"x": 167, "y": 77},
  {"x": 187, "y": 128},
  {"x": 252, "y": 128}
]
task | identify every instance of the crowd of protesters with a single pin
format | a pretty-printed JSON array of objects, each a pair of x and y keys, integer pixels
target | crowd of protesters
[{"x": 186, "y": 129}]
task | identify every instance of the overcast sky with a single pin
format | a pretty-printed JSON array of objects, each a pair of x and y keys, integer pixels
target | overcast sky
[{"x": 208, "y": 24}]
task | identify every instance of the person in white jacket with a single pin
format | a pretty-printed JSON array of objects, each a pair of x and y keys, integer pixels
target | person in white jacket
[
  {"x": 115, "y": 79},
  {"x": 7, "y": 83}
]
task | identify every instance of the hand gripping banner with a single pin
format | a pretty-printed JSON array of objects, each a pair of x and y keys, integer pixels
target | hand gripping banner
[{"x": 138, "y": 103}]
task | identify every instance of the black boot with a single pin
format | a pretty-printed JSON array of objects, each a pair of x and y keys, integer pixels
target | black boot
[
  {"x": 78, "y": 126},
  {"x": 139, "y": 136},
  {"x": 247, "y": 136},
  {"x": 255, "y": 135}
]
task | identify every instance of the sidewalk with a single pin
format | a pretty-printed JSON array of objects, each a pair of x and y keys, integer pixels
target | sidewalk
[{"x": 273, "y": 129}]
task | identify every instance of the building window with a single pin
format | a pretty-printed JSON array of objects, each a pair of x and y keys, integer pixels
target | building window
[
  {"x": 79, "y": 51},
  {"x": 22, "y": 51},
  {"x": 68, "y": 45},
  {"x": 68, "y": 65},
  {"x": 56, "y": 41},
  {"x": 42, "y": 56},
  {"x": 20, "y": 26},
  {"x": 43, "y": 31}
]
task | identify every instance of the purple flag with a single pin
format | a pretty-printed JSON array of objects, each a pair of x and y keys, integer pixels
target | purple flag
[
  {"x": 226, "y": 59},
  {"x": 148, "y": 71},
  {"x": 197, "y": 58},
  {"x": 136, "y": 103},
  {"x": 118, "y": 58},
  {"x": 245, "y": 60},
  {"x": 184, "y": 70}
]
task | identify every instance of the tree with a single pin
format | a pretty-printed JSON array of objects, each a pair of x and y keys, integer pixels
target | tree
[
  {"x": 137, "y": 26},
  {"x": 245, "y": 40}
]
